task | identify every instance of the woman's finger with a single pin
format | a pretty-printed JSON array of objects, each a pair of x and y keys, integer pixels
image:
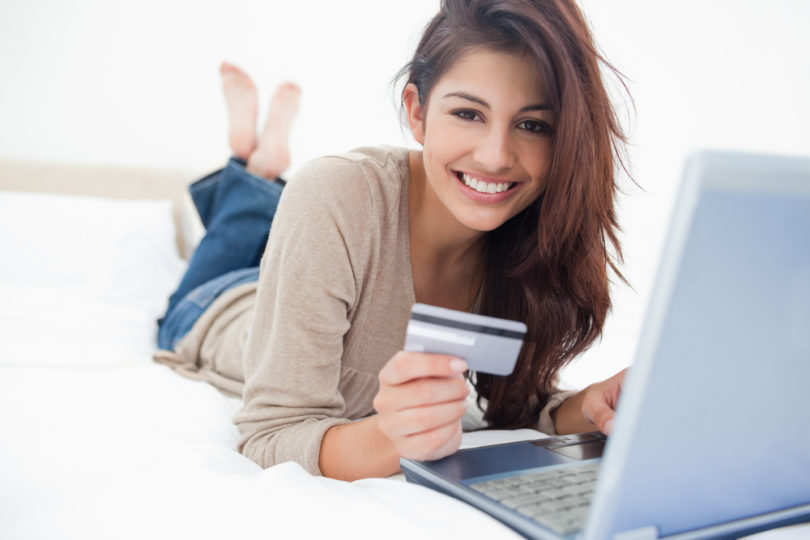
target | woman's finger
[
  {"x": 602, "y": 416},
  {"x": 407, "y": 366},
  {"x": 421, "y": 392},
  {"x": 433, "y": 444},
  {"x": 599, "y": 404},
  {"x": 424, "y": 419}
]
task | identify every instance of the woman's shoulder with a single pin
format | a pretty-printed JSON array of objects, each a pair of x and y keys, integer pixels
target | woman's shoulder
[
  {"x": 380, "y": 157},
  {"x": 355, "y": 170},
  {"x": 369, "y": 180}
]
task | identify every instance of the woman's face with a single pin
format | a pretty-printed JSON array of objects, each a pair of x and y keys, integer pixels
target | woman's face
[{"x": 486, "y": 137}]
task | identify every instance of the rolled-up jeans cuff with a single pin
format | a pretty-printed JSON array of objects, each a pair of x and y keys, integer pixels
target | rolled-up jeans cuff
[{"x": 208, "y": 193}]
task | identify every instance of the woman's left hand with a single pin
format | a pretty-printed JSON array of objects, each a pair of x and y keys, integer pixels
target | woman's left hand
[
  {"x": 594, "y": 406},
  {"x": 599, "y": 401}
]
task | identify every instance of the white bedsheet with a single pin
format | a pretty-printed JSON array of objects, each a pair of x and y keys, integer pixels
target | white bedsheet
[
  {"x": 97, "y": 441},
  {"x": 138, "y": 452}
]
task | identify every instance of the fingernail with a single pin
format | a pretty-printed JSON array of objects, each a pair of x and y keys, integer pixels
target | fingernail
[
  {"x": 608, "y": 426},
  {"x": 458, "y": 365}
]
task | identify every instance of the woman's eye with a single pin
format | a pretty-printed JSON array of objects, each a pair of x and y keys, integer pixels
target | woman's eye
[
  {"x": 466, "y": 114},
  {"x": 534, "y": 126}
]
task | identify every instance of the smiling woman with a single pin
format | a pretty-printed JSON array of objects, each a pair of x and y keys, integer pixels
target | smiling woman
[
  {"x": 524, "y": 80},
  {"x": 486, "y": 138},
  {"x": 505, "y": 211}
]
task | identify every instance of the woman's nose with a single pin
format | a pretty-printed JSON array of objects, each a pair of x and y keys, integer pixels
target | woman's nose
[{"x": 494, "y": 152}]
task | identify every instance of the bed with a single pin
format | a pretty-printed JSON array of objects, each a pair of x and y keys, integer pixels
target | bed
[{"x": 97, "y": 440}]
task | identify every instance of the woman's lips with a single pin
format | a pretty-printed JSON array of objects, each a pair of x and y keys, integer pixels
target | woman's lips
[{"x": 485, "y": 189}]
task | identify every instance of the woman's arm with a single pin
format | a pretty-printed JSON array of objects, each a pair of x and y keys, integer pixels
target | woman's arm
[
  {"x": 592, "y": 408},
  {"x": 357, "y": 450},
  {"x": 293, "y": 355}
]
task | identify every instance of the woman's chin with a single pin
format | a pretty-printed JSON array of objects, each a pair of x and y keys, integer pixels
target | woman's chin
[{"x": 482, "y": 221}]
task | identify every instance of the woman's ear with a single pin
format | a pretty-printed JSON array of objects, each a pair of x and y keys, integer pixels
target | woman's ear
[{"x": 416, "y": 114}]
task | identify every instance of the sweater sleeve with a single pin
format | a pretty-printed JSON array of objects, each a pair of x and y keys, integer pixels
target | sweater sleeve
[
  {"x": 310, "y": 277},
  {"x": 545, "y": 424}
]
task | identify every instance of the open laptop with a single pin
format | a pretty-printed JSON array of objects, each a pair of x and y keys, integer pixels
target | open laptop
[{"x": 712, "y": 433}]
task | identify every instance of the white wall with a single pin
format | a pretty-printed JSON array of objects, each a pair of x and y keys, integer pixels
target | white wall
[
  {"x": 137, "y": 83},
  {"x": 729, "y": 74}
]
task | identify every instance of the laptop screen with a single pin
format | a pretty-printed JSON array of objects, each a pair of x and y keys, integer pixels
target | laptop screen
[{"x": 713, "y": 426}]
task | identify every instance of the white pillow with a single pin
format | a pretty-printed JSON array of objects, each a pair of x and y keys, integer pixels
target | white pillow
[
  {"x": 83, "y": 273},
  {"x": 92, "y": 243}
]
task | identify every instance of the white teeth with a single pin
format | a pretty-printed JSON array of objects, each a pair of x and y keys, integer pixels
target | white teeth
[{"x": 484, "y": 187}]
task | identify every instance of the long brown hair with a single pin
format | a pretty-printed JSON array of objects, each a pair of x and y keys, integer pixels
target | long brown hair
[{"x": 547, "y": 266}]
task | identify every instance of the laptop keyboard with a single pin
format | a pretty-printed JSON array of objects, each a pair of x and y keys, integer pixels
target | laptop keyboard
[{"x": 557, "y": 498}]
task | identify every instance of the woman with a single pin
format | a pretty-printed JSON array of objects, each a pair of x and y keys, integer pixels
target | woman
[{"x": 505, "y": 211}]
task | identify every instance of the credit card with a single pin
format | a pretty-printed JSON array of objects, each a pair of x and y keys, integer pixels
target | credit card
[{"x": 487, "y": 344}]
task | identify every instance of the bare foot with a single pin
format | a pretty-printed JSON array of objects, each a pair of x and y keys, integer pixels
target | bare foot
[
  {"x": 242, "y": 103},
  {"x": 272, "y": 154}
]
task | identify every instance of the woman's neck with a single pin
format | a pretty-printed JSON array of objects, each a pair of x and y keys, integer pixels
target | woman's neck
[{"x": 446, "y": 257}]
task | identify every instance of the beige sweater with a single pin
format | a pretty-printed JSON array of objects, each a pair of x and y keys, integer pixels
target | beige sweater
[{"x": 330, "y": 309}]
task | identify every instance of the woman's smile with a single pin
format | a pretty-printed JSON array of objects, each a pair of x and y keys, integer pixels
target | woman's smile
[{"x": 485, "y": 189}]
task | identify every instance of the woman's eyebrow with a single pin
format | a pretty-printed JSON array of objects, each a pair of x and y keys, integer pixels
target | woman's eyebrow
[
  {"x": 478, "y": 100},
  {"x": 468, "y": 97}
]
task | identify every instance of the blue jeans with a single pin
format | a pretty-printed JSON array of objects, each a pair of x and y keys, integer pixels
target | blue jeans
[{"x": 237, "y": 209}]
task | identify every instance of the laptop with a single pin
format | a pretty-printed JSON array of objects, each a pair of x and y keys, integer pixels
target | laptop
[{"x": 712, "y": 433}]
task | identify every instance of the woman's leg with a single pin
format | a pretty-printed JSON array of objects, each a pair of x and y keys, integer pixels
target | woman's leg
[
  {"x": 237, "y": 209},
  {"x": 242, "y": 102},
  {"x": 235, "y": 206},
  {"x": 272, "y": 154}
]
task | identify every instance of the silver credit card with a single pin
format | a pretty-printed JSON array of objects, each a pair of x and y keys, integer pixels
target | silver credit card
[{"x": 487, "y": 344}]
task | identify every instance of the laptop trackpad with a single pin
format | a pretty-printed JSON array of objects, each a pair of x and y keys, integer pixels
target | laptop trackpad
[
  {"x": 589, "y": 450},
  {"x": 580, "y": 446},
  {"x": 487, "y": 460}
]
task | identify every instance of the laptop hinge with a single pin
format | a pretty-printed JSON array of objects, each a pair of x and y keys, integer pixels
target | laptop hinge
[{"x": 643, "y": 533}]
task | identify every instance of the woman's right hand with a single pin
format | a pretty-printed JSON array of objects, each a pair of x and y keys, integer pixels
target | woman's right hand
[{"x": 420, "y": 403}]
